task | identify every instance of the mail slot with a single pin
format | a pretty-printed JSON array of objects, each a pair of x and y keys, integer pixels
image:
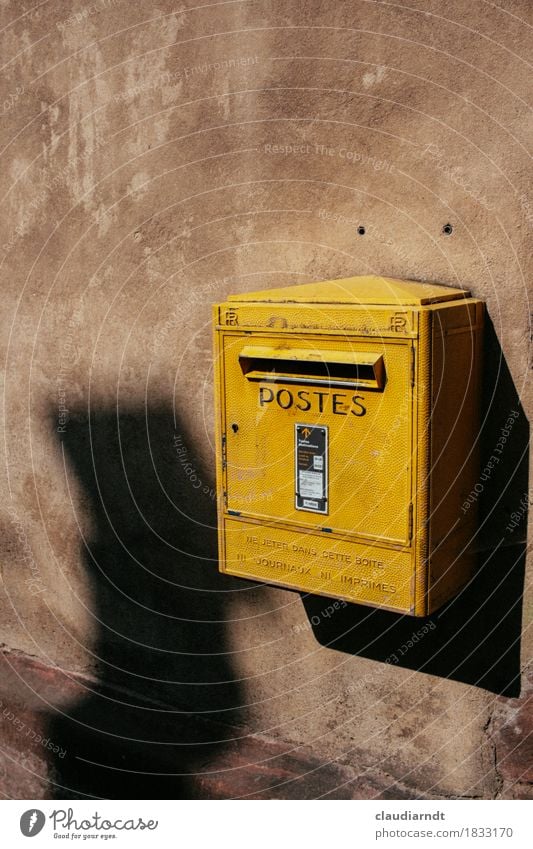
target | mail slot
[
  {"x": 319, "y": 368},
  {"x": 347, "y": 418}
]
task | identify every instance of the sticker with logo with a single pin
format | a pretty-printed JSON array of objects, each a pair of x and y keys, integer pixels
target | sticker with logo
[{"x": 311, "y": 468}]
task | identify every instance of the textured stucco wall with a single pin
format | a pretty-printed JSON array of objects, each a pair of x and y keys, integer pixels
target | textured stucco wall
[{"x": 156, "y": 157}]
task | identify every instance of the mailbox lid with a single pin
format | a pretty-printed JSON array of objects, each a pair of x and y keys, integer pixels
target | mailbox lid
[{"x": 358, "y": 290}]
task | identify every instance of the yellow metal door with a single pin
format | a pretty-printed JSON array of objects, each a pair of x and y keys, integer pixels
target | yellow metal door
[{"x": 358, "y": 392}]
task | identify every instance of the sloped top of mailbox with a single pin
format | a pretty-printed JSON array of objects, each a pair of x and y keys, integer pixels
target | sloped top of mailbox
[{"x": 357, "y": 290}]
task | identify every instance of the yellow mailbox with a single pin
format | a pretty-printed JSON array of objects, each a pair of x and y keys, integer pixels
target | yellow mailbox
[{"x": 347, "y": 420}]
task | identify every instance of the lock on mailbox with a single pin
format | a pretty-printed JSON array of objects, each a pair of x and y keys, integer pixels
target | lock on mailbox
[{"x": 347, "y": 420}]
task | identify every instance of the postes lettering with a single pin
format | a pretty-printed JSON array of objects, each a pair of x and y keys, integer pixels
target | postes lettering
[{"x": 338, "y": 403}]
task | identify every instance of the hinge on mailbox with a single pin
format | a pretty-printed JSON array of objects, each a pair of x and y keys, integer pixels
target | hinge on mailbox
[
  {"x": 410, "y": 536},
  {"x": 412, "y": 366},
  {"x": 223, "y": 452}
]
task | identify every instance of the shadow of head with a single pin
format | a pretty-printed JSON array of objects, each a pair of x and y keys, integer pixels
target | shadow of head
[
  {"x": 475, "y": 638},
  {"x": 166, "y": 688}
]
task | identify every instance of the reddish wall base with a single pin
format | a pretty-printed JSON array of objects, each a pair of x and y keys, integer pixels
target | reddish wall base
[{"x": 63, "y": 736}]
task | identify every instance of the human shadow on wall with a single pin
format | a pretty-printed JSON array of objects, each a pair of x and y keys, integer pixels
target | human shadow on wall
[
  {"x": 166, "y": 697},
  {"x": 474, "y": 638}
]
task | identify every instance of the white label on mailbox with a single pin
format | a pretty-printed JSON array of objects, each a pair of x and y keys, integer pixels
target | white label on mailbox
[{"x": 311, "y": 485}]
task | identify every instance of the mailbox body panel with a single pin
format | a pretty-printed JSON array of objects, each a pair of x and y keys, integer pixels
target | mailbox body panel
[
  {"x": 387, "y": 387},
  {"x": 454, "y": 459},
  {"x": 362, "y": 484}
]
